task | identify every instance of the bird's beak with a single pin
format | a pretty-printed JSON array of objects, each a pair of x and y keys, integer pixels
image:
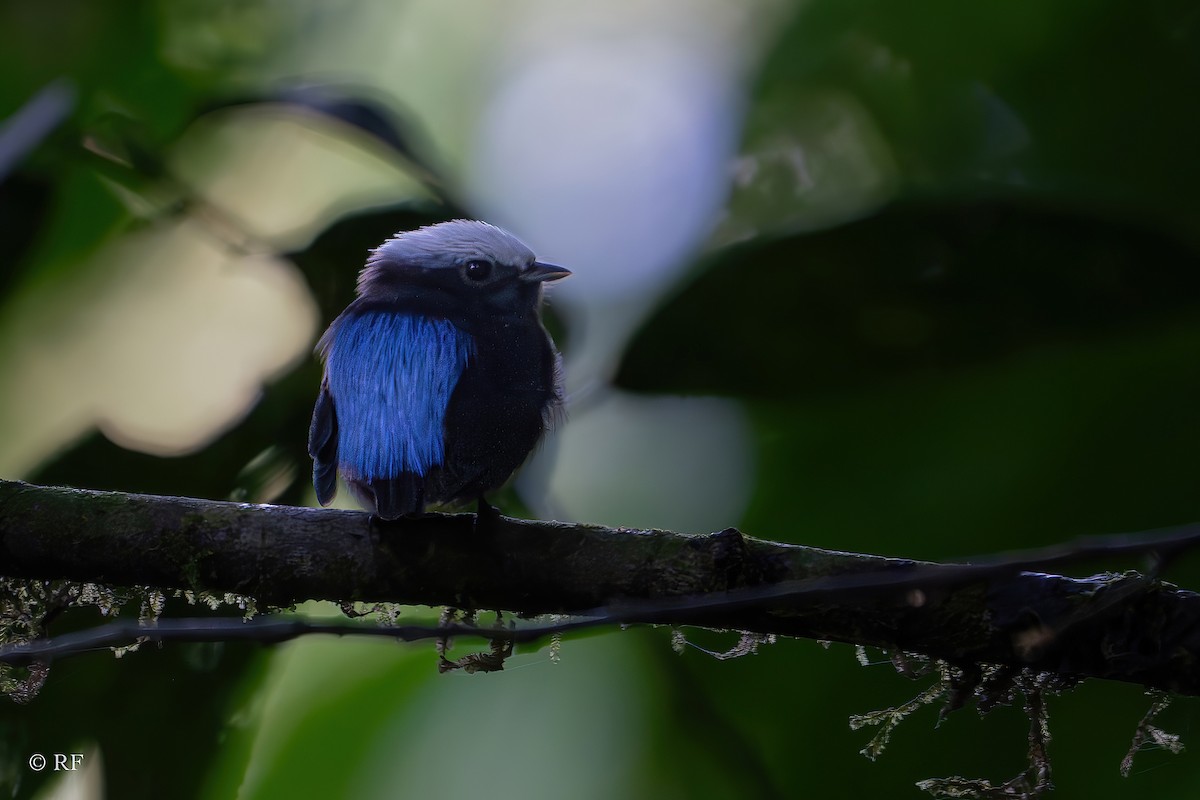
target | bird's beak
[{"x": 540, "y": 271}]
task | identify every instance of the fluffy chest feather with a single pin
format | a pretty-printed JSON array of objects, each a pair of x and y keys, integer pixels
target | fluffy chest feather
[{"x": 392, "y": 376}]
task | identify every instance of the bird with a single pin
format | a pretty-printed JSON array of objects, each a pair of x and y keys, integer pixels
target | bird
[{"x": 439, "y": 377}]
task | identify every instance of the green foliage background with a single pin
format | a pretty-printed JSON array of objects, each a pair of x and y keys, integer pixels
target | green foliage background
[{"x": 1002, "y": 355}]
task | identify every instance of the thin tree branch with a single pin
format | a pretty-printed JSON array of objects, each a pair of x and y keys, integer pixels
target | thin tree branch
[
  {"x": 1122, "y": 627},
  {"x": 265, "y": 630}
]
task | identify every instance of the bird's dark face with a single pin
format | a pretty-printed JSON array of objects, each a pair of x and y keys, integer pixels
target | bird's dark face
[{"x": 467, "y": 271}]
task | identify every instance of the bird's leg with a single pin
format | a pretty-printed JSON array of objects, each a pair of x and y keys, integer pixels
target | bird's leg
[{"x": 487, "y": 518}]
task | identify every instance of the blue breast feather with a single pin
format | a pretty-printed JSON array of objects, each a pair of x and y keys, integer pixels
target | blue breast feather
[{"x": 391, "y": 377}]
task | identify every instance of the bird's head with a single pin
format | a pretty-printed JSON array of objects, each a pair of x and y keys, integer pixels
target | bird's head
[{"x": 459, "y": 269}]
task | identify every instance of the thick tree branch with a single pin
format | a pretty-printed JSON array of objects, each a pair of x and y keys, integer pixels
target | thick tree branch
[{"x": 1123, "y": 627}]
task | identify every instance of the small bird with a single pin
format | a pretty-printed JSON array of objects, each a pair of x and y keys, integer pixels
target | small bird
[{"x": 439, "y": 377}]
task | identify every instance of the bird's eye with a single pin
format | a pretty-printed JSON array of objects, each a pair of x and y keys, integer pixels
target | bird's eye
[{"x": 478, "y": 271}]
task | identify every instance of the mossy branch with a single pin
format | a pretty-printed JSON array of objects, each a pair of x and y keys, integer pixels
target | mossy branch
[{"x": 1118, "y": 626}]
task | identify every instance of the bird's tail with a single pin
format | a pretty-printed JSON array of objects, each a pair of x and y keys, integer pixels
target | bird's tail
[{"x": 394, "y": 497}]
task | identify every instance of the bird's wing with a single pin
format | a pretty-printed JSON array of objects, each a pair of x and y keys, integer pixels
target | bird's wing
[{"x": 323, "y": 446}]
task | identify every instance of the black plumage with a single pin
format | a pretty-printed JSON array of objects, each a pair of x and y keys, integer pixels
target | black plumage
[{"x": 439, "y": 378}]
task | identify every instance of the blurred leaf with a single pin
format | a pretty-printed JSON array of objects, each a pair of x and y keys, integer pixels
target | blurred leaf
[
  {"x": 380, "y": 118},
  {"x": 317, "y": 748},
  {"x": 1079, "y": 438},
  {"x": 280, "y": 419},
  {"x": 915, "y": 289},
  {"x": 1086, "y": 102}
]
